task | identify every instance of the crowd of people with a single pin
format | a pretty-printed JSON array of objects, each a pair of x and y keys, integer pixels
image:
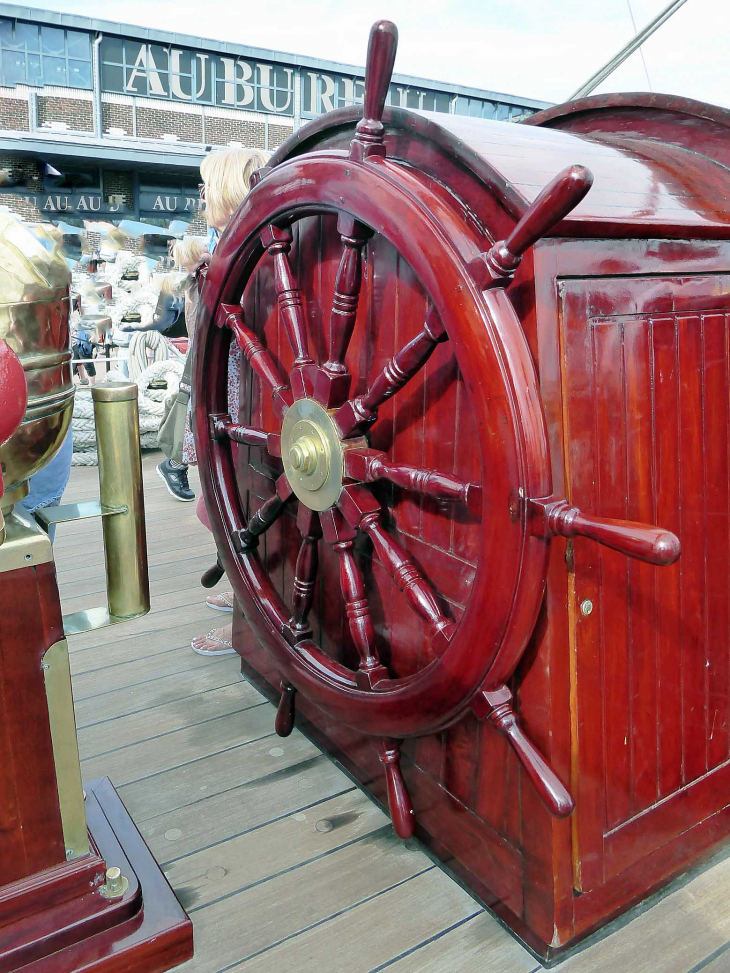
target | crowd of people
[{"x": 135, "y": 294}]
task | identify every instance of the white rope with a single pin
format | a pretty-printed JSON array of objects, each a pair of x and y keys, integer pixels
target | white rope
[
  {"x": 141, "y": 343},
  {"x": 151, "y": 403}
]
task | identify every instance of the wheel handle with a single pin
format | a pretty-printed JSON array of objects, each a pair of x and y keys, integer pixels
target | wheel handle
[
  {"x": 497, "y": 266},
  {"x": 382, "y": 47}
]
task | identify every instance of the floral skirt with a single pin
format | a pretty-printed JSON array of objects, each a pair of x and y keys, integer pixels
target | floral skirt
[{"x": 234, "y": 382}]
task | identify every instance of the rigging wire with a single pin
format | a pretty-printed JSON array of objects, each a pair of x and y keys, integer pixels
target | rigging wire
[{"x": 641, "y": 49}]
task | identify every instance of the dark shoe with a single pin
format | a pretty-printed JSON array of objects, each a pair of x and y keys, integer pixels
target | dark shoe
[{"x": 176, "y": 481}]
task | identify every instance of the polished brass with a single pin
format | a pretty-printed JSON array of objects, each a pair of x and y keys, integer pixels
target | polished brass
[
  {"x": 34, "y": 309},
  {"x": 26, "y": 545},
  {"x": 311, "y": 451},
  {"x": 89, "y": 619},
  {"x": 57, "y": 675},
  {"x": 66, "y": 512},
  {"x": 116, "y": 884},
  {"x": 120, "y": 485}
]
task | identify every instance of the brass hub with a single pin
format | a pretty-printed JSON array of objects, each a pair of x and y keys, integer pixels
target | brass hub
[{"x": 312, "y": 454}]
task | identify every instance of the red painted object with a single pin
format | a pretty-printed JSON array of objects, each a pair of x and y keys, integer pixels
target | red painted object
[
  {"x": 53, "y": 917},
  {"x": 519, "y": 334},
  {"x": 13, "y": 395}
]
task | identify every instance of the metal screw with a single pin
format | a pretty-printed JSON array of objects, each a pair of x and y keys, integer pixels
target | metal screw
[
  {"x": 28, "y": 557},
  {"x": 45, "y": 666},
  {"x": 586, "y": 607}
]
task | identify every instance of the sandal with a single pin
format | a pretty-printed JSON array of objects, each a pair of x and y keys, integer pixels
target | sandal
[
  {"x": 222, "y": 602},
  {"x": 213, "y": 644}
]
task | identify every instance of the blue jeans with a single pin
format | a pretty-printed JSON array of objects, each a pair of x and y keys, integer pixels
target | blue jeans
[{"x": 48, "y": 484}]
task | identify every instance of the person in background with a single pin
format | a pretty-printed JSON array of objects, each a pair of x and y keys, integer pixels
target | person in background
[
  {"x": 226, "y": 181},
  {"x": 47, "y": 485},
  {"x": 189, "y": 254}
]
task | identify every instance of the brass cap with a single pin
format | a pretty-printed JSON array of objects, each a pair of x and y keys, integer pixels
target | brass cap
[{"x": 114, "y": 391}]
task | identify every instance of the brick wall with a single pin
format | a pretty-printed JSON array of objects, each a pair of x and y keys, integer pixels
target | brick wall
[
  {"x": 116, "y": 116},
  {"x": 155, "y": 122},
  {"x": 278, "y": 134},
  {"x": 26, "y": 172},
  {"x": 197, "y": 226},
  {"x": 116, "y": 182},
  {"x": 221, "y": 131},
  {"x": 22, "y": 206},
  {"x": 78, "y": 115},
  {"x": 14, "y": 115}
]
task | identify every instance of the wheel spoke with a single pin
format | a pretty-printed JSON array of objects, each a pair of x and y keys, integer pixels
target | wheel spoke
[
  {"x": 341, "y": 535},
  {"x": 278, "y": 242},
  {"x": 368, "y": 465},
  {"x": 223, "y": 427},
  {"x": 257, "y": 356},
  {"x": 361, "y": 509},
  {"x": 247, "y": 540},
  {"x": 333, "y": 381},
  {"x": 305, "y": 572},
  {"x": 355, "y": 416}
]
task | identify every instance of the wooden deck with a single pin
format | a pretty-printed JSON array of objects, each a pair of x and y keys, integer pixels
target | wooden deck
[{"x": 282, "y": 863}]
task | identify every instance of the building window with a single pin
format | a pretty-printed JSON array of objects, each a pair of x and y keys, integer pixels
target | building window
[
  {"x": 38, "y": 55},
  {"x": 155, "y": 71}
]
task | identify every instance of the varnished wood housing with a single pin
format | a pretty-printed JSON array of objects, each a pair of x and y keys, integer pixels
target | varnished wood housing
[
  {"x": 624, "y": 685},
  {"x": 53, "y": 917}
]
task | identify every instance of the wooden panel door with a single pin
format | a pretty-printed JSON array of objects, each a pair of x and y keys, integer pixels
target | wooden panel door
[{"x": 646, "y": 383}]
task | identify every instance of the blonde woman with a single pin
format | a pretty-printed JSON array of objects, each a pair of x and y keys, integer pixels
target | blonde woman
[
  {"x": 226, "y": 181},
  {"x": 189, "y": 253}
]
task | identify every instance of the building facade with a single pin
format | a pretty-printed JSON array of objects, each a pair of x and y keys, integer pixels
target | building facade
[{"x": 108, "y": 121}]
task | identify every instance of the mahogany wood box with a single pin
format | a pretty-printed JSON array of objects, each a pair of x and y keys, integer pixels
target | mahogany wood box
[{"x": 619, "y": 668}]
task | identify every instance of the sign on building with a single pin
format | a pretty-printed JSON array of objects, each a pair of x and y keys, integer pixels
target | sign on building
[{"x": 156, "y": 71}]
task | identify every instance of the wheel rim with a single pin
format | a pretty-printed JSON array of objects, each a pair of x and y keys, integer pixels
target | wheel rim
[{"x": 495, "y": 623}]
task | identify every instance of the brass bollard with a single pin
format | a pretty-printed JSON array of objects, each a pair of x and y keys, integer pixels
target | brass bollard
[
  {"x": 120, "y": 485},
  {"x": 121, "y": 507}
]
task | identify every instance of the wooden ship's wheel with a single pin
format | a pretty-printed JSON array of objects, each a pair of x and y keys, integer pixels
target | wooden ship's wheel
[{"x": 326, "y": 409}]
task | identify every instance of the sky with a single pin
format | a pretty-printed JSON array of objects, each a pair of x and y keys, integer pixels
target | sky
[{"x": 542, "y": 49}]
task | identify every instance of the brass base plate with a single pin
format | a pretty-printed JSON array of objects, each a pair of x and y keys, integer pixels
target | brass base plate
[{"x": 311, "y": 452}]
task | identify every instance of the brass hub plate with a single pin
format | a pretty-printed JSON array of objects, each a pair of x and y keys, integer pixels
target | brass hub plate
[{"x": 311, "y": 452}]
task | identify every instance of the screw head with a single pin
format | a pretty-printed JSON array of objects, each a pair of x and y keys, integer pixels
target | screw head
[{"x": 586, "y": 607}]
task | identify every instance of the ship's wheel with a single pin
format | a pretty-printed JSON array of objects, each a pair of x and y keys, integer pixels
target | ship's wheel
[{"x": 321, "y": 437}]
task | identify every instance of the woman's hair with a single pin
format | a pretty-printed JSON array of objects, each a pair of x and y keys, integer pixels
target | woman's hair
[
  {"x": 227, "y": 178},
  {"x": 189, "y": 250}
]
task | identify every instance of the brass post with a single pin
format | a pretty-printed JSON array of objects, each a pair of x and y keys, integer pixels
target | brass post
[{"x": 120, "y": 485}]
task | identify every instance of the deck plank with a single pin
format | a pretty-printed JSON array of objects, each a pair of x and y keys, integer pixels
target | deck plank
[
  {"x": 158, "y": 721},
  {"x": 114, "y": 703},
  {"x": 214, "y": 873},
  {"x": 289, "y": 903},
  {"x": 361, "y": 938},
  {"x": 262, "y": 795}
]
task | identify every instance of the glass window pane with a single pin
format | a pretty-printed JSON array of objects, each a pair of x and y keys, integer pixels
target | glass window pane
[
  {"x": 35, "y": 75},
  {"x": 7, "y": 35},
  {"x": 52, "y": 41},
  {"x": 27, "y": 34},
  {"x": 112, "y": 77},
  {"x": 462, "y": 105},
  {"x": 442, "y": 102},
  {"x": 79, "y": 74},
  {"x": 414, "y": 98},
  {"x": 79, "y": 44},
  {"x": 54, "y": 70},
  {"x": 181, "y": 85},
  {"x": 159, "y": 58},
  {"x": 138, "y": 85},
  {"x": 112, "y": 50},
  {"x": 13, "y": 67}
]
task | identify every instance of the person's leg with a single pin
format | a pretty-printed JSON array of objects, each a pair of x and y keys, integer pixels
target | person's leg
[{"x": 175, "y": 476}]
